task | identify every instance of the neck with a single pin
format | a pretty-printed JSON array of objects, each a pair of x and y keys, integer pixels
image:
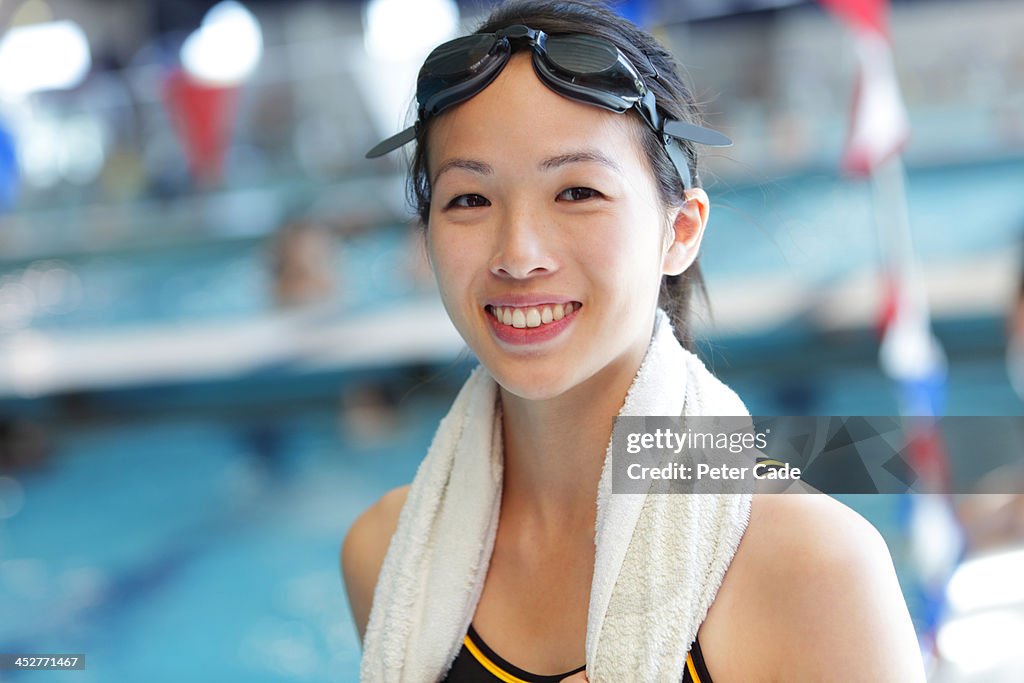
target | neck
[{"x": 554, "y": 451}]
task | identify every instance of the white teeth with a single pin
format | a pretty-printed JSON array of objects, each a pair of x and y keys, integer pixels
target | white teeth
[{"x": 532, "y": 316}]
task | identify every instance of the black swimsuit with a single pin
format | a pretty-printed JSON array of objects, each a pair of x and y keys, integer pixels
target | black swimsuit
[{"x": 477, "y": 663}]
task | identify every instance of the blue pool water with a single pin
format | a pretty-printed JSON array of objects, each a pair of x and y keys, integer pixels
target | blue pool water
[
  {"x": 192, "y": 533},
  {"x": 815, "y": 227},
  {"x": 197, "y": 549},
  {"x": 169, "y": 544}
]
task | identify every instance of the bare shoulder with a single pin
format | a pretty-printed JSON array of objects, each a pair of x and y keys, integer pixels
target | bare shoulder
[
  {"x": 818, "y": 577},
  {"x": 363, "y": 550},
  {"x": 812, "y": 529}
]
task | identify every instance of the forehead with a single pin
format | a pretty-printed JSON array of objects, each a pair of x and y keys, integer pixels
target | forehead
[{"x": 517, "y": 114}]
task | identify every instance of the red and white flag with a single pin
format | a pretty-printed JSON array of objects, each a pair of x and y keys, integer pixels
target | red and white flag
[
  {"x": 204, "y": 115},
  {"x": 879, "y": 126}
]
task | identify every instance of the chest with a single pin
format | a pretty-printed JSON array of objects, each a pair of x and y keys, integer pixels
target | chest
[{"x": 533, "y": 608}]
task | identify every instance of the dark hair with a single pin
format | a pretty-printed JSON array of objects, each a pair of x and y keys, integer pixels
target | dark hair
[{"x": 674, "y": 99}]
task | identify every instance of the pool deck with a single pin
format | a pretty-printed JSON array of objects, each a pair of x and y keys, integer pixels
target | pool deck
[{"x": 36, "y": 363}]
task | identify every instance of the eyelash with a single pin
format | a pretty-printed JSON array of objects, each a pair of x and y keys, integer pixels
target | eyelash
[
  {"x": 591, "y": 193},
  {"x": 458, "y": 202}
]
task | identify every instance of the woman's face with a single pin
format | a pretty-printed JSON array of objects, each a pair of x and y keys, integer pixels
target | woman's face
[{"x": 546, "y": 235}]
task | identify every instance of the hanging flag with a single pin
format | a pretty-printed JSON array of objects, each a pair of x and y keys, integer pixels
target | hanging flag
[
  {"x": 204, "y": 115},
  {"x": 8, "y": 170},
  {"x": 868, "y": 15},
  {"x": 909, "y": 354},
  {"x": 879, "y": 125}
]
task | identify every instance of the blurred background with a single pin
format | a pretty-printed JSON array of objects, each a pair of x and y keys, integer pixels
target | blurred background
[{"x": 219, "y": 340}]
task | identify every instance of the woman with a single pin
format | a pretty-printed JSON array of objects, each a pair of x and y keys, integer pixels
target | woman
[{"x": 562, "y": 208}]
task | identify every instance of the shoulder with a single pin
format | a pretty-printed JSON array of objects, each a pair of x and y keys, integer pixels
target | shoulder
[
  {"x": 817, "y": 526},
  {"x": 819, "y": 578},
  {"x": 363, "y": 550}
]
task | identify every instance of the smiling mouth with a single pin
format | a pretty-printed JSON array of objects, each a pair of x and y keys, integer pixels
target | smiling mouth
[{"x": 521, "y": 317}]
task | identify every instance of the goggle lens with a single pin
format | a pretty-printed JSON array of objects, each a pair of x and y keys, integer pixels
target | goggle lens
[
  {"x": 459, "y": 57},
  {"x": 582, "y": 54}
]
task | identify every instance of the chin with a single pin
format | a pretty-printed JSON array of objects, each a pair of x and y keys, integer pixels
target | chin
[
  {"x": 531, "y": 393},
  {"x": 529, "y": 384}
]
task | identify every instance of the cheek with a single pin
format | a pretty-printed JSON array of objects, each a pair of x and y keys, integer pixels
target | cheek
[
  {"x": 450, "y": 260},
  {"x": 628, "y": 254}
]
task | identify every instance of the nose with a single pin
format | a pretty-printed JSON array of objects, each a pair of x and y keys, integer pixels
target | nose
[{"x": 522, "y": 247}]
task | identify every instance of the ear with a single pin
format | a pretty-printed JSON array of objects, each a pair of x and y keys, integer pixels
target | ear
[{"x": 687, "y": 224}]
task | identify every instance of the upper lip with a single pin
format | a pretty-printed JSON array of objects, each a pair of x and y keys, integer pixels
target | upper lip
[{"x": 528, "y": 300}]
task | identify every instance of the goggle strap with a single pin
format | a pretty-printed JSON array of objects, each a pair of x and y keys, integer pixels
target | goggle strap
[
  {"x": 650, "y": 63},
  {"x": 392, "y": 143},
  {"x": 694, "y": 133},
  {"x": 679, "y": 160}
]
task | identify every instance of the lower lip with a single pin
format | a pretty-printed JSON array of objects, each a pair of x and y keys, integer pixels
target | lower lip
[{"x": 521, "y": 336}]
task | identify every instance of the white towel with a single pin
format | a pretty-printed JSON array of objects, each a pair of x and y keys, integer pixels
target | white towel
[{"x": 660, "y": 558}]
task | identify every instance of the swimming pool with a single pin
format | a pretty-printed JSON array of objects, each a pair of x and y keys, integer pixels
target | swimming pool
[
  {"x": 192, "y": 531},
  {"x": 196, "y": 548},
  {"x": 813, "y": 227},
  {"x": 169, "y": 542}
]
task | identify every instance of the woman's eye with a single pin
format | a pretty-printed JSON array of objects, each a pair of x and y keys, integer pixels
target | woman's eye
[
  {"x": 578, "y": 194},
  {"x": 468, "y": 201}
]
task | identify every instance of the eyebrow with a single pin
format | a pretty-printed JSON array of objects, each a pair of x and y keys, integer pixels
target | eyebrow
[
  {"x": 549, "y": 164},
  {"x": 478, "y": 167},
  {"x": 579, "y": 157}
]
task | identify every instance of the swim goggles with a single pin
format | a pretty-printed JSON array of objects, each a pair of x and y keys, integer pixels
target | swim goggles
[{"x": 581, "y": 67}]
